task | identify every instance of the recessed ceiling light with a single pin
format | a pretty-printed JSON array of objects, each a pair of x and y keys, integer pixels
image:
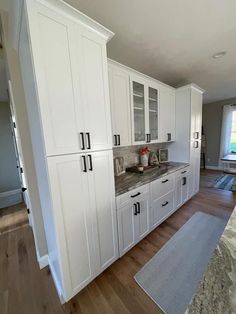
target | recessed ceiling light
[{"x": 219, "y": 54}]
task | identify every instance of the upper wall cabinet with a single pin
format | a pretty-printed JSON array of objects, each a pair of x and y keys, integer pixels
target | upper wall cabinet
[
  {"x": 167, "y": 114},
  {"x": 144, "y": 110},
  {"x": 120, "y": 105},
  {"x": 72, "y": 79}
]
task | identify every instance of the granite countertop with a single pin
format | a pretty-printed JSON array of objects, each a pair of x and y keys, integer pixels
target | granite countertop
[
  {"x": 130, "y": 180},
  {"x": 216, "y": 292}
]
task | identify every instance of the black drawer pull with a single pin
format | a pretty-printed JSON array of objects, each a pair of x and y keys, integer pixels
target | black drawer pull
[
  {"x": 164, "y": 204},
  {"x": 135, "y": 209},
  {"x": 84, "y": 163},
  {"x": 82, "y": 140},
  {"x": 115, "y": 137},
  {"x": 138, "y": 211},
  {"x": 90, "y": 163},
  {"x": 183, "y": 172},
  {"x": 88, "y": 140},
  {"x": 137, "y": 194},
  {"x": 184, "y": 181},
  {"x": 165, "y": 181},
  {"x": 118, "y": 136}
]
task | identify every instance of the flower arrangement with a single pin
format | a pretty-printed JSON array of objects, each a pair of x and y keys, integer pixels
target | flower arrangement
[{"x": 144, "y": 151}]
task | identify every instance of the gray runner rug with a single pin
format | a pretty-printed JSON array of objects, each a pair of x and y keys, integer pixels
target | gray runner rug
[{"x": 171, "y": 277}]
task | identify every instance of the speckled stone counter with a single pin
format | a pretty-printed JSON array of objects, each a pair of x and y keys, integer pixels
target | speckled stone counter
[
  {"x": 129, "y": 180},
  {"x": 216, "y": 293}
]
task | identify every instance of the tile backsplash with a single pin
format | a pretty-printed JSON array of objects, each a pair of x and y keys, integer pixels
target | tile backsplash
[{"x": 131, "y": 155}]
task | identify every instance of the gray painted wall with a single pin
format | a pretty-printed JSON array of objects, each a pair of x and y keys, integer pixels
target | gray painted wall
[
  {"x": 211, "y": 120},
  {"x": 9, "y": 177}
]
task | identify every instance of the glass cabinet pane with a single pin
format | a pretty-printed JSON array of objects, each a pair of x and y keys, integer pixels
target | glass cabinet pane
[
  {"x": 153, "y": 112},
  {"x": 139, "y": 111}
]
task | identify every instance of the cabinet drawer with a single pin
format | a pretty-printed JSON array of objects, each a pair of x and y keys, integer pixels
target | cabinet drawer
[
  {"x": 182, "y": 171},
  {"x": 131, "y": 196},
  {"x": 162, "y": 186},
  {"x": 162, "y": 207}
]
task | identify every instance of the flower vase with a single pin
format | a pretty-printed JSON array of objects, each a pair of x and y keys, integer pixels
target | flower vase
[{"x": 144, "y": 160}]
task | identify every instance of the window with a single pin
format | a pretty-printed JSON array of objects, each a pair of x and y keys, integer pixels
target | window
[{"x": 233, "y": 134}]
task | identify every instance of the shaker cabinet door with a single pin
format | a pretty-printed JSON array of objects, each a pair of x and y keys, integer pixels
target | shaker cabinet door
[
  {"x": 70, "y": 195},
  {"x": 167, "y": 114},
  {"x": 92, "y": 57},
  {"x": 127, "y": 227},
  {"x": 120, "y": 106},
  {"x": 55, "y": 62},
  {"x": 102, "y": 203}
]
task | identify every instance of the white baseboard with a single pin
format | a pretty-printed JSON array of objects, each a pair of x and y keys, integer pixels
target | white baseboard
[
  {"x": 9, "y": 193},
  {"x": 10, "y": 198},
  {"x": 214, "y": 168},
  {"x": 43, "y": 261}
]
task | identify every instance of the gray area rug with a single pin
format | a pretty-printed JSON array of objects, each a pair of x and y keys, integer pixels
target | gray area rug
[{"x": 172, "y": 276}]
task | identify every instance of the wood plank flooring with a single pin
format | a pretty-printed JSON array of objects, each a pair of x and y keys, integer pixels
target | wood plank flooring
[
  {"x": 13, "y": 217},
  {"x": 24, "y": 289}
]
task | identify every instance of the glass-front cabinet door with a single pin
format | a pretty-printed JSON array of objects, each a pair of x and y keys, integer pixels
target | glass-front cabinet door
[
  {"x": 144, "y": 100},
  {"x": 153, "y": 113},
  {"x": 139, "y": 111}
]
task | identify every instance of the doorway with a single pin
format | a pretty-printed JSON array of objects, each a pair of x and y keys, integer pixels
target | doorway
[{"x": 13, "y": 212}]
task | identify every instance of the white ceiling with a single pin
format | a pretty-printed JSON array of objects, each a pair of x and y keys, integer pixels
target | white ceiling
[{"x": 173, "y": 41}]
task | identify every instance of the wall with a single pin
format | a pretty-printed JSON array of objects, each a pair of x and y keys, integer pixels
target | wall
[
  {"x": 14, "y": 74},
  {"x": 131, "y": 155},
  {"x": 9, "y": 176},
  {"x": 211, "y": 120}
]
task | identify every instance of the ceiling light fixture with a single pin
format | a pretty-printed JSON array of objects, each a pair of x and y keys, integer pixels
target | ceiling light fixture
[{"x": 219, "y": 54}]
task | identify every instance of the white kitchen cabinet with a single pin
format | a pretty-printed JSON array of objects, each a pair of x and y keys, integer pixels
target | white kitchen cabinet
[
  {"x": 120, "y": 105},
  {"x": 187, "y": 147},
  {"x": 162, "y": 199},
  {"x": 63, "y": 63},
  {"x": 144, "y": 110},
  {"x": 71, "y": 76},
  {"x": 167, "y": 113},
  {"x": 162, "y": 208},
  {"x": 85, "y": 210},
  {"x": 133, "y": 219},
  {"x": 182, "y": 187}
]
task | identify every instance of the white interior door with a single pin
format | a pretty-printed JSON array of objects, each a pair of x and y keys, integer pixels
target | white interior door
[
  {"x": 70, "y": 203},
  {"x": 102, "y": 203}
]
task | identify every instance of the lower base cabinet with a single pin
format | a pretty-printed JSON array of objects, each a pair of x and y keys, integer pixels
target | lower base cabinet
[
  {"x": 141, "y": 210},
  {"x": 85, "y": 211},
  {"x": 133, "y": 220}
]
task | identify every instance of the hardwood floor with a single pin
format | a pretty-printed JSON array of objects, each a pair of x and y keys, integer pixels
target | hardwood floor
[
  {"x": 24, "y": 289},
  {"x": 13, "y": 217}
]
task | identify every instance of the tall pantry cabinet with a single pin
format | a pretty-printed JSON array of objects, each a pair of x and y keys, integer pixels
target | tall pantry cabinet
[
  {"x": 187, "y": 145},
  {"x": 63, "y": 61}
]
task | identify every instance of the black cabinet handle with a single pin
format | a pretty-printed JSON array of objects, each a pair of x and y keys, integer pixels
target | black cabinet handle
[
  {"x": 84, "y": 163},
  {"x": 147, "y": 138},
  {"x": 165, "y": 181},
  {"x": 115, "y": 142},
  {"x": 168, "y": 136},
  {"x": 184, "y": 181},
  {"x": 138, "y": 210},
  {"x": 90, "y": 162},
  {"x": 118, "y": 136},
  {"x": 137, "y": 194},
  {"x": 88, "y": 140},
  {"x": 183, "y": 172},
  {"x": 23, "y": 189},
  {"x": 164, "y": 204},
  {"x": 196, "y": 144},
  {"x": 135, "y": 209},
  {"x": 82, "y": 140}
]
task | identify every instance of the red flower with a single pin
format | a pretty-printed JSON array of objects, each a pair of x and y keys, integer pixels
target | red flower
[{"x": 144, "y": 150}]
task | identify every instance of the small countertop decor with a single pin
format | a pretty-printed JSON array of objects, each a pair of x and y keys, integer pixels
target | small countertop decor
[
  {"x": 216, "y": 291},
  {"x": 130, "y": 180},
  {"x": 144, "y": 152}
]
